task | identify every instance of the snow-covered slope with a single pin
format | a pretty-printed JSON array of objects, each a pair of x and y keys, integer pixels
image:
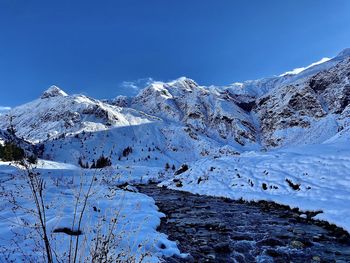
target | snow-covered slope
[{"x": 303, "y": 107}]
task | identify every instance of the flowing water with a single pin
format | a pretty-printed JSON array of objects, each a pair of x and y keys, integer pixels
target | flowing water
[{"x": 221, "y": 230}]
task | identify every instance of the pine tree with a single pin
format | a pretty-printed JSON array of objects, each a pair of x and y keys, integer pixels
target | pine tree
[{"x": 11, "y": 152}]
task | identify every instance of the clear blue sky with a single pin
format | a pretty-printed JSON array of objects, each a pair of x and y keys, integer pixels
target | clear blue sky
[{"x": 93, "y": 46}]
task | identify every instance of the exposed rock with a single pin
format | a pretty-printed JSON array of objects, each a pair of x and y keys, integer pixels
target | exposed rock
[
  {"x": 297, "y": 244},
  {"x": 287, "y": 107},
  {"x": 121, "y": 101},
  {"x": 182, "y": 169},
  {"x": 333, "y": 86}
]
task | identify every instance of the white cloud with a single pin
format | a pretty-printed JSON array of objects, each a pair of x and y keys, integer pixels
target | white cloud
[
  {"x": 4, "y": 109},
  {"x": 129, "y": 85},
  {"x": 298, "y": 70},
  {"x": 132, "y": 87}
]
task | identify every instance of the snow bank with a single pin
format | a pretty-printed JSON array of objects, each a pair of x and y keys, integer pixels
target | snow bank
[
  {"x": 132, "y": 217},
  {"x": 319, "y": 173}
]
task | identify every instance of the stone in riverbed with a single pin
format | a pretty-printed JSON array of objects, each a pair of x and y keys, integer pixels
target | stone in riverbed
[
  {"x": 243, "y": 246},
  {"x": 297, "y": 244},
  {"x": 205, "y": 249},
  {"x": 241, "y": 236},
  {"x": 277, "y": 254},
  {"x": 271, "y": 242},
  {"x": 306, "y": 242},
  {"x": 223, "y": 247}
]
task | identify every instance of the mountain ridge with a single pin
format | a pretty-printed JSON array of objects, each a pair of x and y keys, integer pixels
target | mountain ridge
[{"x": 248, "y": 115}]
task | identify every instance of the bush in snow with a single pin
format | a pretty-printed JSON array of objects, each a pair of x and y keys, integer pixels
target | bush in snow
[
  {"x": 127, "y": 151},
  {"x": 295, "y": 187},
  {"x": 103, "y": 162}
]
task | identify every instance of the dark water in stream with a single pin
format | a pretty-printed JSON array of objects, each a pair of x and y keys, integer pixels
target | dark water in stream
[{"x": 221, "y": 230}]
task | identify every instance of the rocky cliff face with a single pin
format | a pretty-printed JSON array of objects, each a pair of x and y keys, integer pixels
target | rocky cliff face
[
  {"x": 289, "y": 107},
  {"x": 303, "y": 104},
  {"x": 333, "y": 86}
]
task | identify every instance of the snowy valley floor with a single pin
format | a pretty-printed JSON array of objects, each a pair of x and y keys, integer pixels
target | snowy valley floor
[{"x": 311, "y": 178}]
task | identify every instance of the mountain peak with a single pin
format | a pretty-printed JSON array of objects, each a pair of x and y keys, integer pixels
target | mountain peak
[
  {"x": 184, "y": 83},
  {"x": 53, "y": 91}
]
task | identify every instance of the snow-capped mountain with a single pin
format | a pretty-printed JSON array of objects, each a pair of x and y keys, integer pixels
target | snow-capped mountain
[
  {"x": 308, "y": 107},
  {"x": 55, "y": 114}
]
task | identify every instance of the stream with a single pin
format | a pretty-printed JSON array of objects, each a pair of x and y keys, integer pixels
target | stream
[{"x": 213, "y": 229}]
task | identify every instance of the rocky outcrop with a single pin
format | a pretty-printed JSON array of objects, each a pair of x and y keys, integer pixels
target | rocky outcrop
[
  {"x": 304, "y": 104},
  {"x": 333, "y": 86},
  {"x": 288, "y": 107}
]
